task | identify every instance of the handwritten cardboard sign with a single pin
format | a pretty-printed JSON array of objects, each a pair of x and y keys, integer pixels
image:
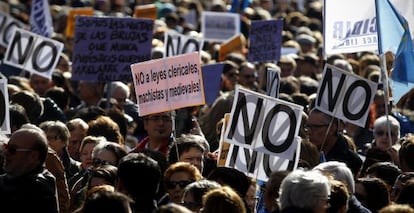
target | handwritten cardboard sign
[
  {"x": 265, "y": 40},
  {"x": 104, "y": 48},
  {"x": 168, "y": 83}
]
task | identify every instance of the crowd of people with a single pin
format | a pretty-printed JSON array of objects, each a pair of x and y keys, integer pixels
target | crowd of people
[{"x": 82, "y": 146}]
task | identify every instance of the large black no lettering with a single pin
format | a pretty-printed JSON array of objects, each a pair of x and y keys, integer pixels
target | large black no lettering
[
  {"x": 354, "y": 85},
  {"x": 241, "y": 107},
  {"x": 327, "y": 81},
  {"x": 36, "y": 52},
  {"x": 187, "y": 44},
  {"x": 292, "y": 127},
  {"x": 2, "y": 108},
  {"x": 17, "y": 40},
  {"x": 7, "y": 32}
]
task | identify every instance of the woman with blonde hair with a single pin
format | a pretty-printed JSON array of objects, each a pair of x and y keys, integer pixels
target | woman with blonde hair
[{"x": 223, "y": 200}]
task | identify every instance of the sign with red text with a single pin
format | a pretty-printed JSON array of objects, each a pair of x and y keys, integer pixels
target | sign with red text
[{"x": 168, "y": 83}]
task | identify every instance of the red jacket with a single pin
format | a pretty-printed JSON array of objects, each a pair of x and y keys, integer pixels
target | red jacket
[{"x": 144, "y": 145}]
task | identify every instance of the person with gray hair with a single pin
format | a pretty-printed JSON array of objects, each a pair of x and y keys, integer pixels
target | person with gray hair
[
  {"x": 343, "y": 64},
  {"x": 122, "y": 94},
  {"x": 341, "y": 172},
  {"x": 383, "y": 126},
  {"x": 381, "y": 129},
  {"x": 57, "y": 134},
  {"x": 304, "y": 191}
]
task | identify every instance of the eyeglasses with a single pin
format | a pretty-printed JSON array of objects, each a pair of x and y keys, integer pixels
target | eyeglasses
[
  {"x": 165, "y": 119},
  {"x": 182, "y": 184},
  {"x": 381, "y": 133},
  {"x": 13, "y": 149},
  {"x": 98, "y": 162}
]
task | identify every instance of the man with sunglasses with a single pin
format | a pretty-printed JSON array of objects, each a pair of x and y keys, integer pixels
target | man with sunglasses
[{"x": 26, "y": 185}]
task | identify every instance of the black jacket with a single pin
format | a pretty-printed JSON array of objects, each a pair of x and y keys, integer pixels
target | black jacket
[
  {"x": 342, "y": 153},
  {"x": 33, "y": 192}
]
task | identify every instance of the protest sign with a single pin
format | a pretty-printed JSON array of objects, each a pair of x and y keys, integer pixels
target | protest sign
[
  {"x": 264, "y": 125},
  {"x": 191, "y": 17},
  {"x": 234, "y": 44},
  {"x": 345, "y": 95},
  {"x": 273, "y": 82},
  {"x": 7, "y": 26},
  {"x": 4, "y": 106},
  {"x": 243, "y": 159},
  {"x": 224, "y": 147},
  {"x": 260, "y": 165},
  {"x": 34, "y": 53},
  {"x": 146, "y": 11},
  {"x": 265, "y": 40},
  {"x": 177, "y": 44},
  {"x": 104, "y": 48},
  {"x": 289, "y": 51},
  {"x": 219, "y": 26},
  {"x": 271, "y": 163},
  {"x": 256, "y": 117},
  {"x": 346, "y": 32},
  {"x": 212, "y": 79},
  {"x": 168, "y": 83},
  {"x": 70, "y": 26},
  {"x": 40, "y": 18}
]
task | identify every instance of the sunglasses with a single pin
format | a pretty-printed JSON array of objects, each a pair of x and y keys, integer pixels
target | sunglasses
[
  {"x": 382, "y": 133},
  {"x": 13, "y": 149},
  {"x": 182, "y": 184}
]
